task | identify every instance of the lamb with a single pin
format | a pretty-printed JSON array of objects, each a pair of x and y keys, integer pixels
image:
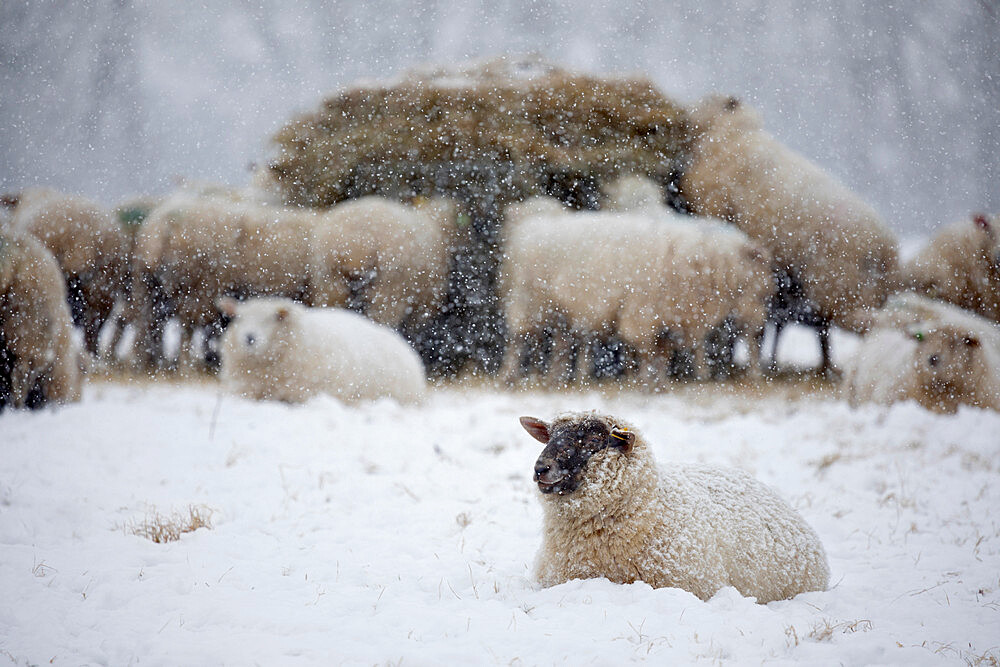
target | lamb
[
  {"x": 277, "y": 349},
  {"x": 962, "y": 265},
  {"x": 609, "y": 511},
  {"x": 928, "y": 351},
  {"x": 37, "y": 344},
  {"x": 397, "y": 256},
  {"x": 635, "y": 275},
  {"x": 833, "y": 256},
  {"x": 88, "y": 245}
]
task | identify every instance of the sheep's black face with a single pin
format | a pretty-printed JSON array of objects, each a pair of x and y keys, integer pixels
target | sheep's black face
[{"x": 568, "y": 447}]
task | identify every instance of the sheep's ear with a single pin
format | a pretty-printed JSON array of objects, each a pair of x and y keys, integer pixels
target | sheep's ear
[
  {"x": 227, "y": 306},
  {"x": 732, "y": 103},
  {"x": 535, "y": 427},
  {"x": 281, "y": 314},
  {"x": 623, "y": 438},
  {"x": 981, "y": 221},
  {"x": 971, "y": 341}
]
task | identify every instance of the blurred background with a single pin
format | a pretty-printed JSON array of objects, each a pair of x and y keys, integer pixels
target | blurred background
[{"x": 113, "y": 98}]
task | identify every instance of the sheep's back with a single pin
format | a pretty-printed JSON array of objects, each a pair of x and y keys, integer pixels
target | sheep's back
[{"x": 764, "y": 547}]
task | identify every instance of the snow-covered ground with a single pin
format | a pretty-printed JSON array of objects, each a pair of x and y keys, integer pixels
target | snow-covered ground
[{"x": 387, "y": 534}]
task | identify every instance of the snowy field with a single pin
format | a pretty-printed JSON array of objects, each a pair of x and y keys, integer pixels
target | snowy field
[{"x": 405, "y": 535}]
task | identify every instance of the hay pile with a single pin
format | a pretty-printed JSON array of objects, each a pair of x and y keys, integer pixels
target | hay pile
[{"x": 523, "y": 126}]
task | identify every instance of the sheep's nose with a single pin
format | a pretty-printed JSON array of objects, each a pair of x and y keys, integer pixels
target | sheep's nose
[
  {"x": 541, "y": 469},
  {"x": 933, "y": 360},
  {"x": 250, "y": 339}
]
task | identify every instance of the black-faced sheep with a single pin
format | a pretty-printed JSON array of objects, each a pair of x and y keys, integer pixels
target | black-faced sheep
[
  {"x": 89, "y": 246},
  {"x": 281, "y": 350},
  {"x": 833, "y": 255},
  {"x": 961, "y": 265},
  {"x": 610, "y": 511},
  {"x": 37, "y": 346},
  {"x": 928, "y": 351}
]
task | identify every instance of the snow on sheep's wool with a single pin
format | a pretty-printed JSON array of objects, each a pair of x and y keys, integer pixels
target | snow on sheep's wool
[
  {"x": 695, "y": 527},
  {"x": 281, "y": 350}
]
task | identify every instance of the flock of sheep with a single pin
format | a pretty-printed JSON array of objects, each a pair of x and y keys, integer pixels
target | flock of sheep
[{"x": 773, "y": 240}]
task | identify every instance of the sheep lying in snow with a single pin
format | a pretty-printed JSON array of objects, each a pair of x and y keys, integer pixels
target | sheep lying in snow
[
  {"x": 88, "y": 245},
  {"x": 278, "y": 349},
  {"x": 37, "y": 346},
  {"x": 647, "y": 278},
  {"x": 928, "y": 351},
  {"x": 609, "y": 511},
  {"x": 962, "y": 265},
  {"x": 833, "y": 255}
]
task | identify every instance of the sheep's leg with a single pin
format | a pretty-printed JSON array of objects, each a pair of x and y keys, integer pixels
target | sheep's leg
[
  {"x": 22, "y": 381},
  {"x": 564, "y": 360},
  {"x": 773, "y": 365},
  {"x": 119, "y": 322},
  {"x": 826, "y": 363},
  {"x": 755, "y": 342},
  {"x": 186, "y": 353},
  {"x": 700, "y": 367}
]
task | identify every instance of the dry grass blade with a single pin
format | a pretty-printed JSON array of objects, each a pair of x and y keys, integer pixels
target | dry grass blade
[{"x": 161, "y": 528}]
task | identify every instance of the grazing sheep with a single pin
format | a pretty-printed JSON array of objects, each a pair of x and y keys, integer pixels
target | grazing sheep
[
  {"x": 609, "y": 511},
  {"x": 37, "y": 346},
  {"x": 649, "y": 279},
  {"x": 396, "y": 256},
  {"x": 88, "y": 245},
  {"x": 962, "y": 265},
  {"x": 833, "y": 256},
  {"x": 928, "y": 351},
  {"x": 281, "y": 350}
]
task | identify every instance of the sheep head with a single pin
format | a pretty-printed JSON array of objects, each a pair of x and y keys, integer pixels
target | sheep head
[
  {"x": 569, "y": 444},
  {"x": 946, "y": 362},
  {"x": 259, "y": 324}
]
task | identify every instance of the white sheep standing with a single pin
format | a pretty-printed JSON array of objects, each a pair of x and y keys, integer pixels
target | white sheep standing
[
  {"x": 278, "y": 349},
  {"x": 961, "y": 265},
  {"x": 610, "y": 511},
  {"x": 400, "y": 253},
  {"x": 834, "y": 255},
  {"x": 37, "y": 345},
  {"x": 633, "y": 274},
  {"x": 934, "y": 353}
]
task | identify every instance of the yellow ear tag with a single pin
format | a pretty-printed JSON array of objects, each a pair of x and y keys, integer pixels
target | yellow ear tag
[{"x": 619, "y": 436}]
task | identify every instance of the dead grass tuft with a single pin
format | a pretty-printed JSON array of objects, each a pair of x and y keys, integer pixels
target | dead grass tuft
[{"x": 161, "y": 528}]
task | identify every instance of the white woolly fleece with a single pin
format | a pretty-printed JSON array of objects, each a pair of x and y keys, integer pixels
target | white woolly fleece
[{"x": 695, "y": 527}]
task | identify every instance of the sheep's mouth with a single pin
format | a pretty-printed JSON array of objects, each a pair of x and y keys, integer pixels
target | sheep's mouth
[{"x": 559, "y": 487}]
